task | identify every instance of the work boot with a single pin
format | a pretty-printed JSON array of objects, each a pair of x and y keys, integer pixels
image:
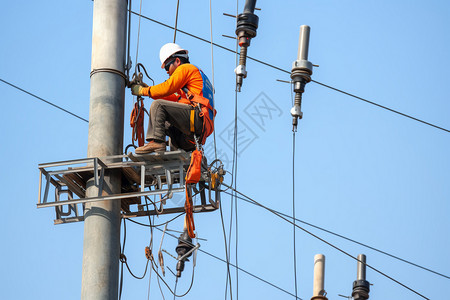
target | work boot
[{"x": 152, "y": 146}]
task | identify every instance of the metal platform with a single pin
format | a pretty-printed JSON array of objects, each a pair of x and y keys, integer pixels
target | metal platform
[{"x": 160, "y": 175}]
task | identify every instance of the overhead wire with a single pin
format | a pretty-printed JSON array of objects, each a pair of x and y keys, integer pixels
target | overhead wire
[
  {"x": 212, "y": 71},
  {"x": 293, "y": 209},
  {"x": 43, "y": 100},
  {"x": 315, "y": 81},
  {"x": 416, "y": 119},
  {"x": 227, "y": 254},
  {"x": 235, "y": 166},
  {"x": 350, "y": 240},
  {"x": 251, "y": 58},
  {"x": 332, "y": 245},
  {"x": 176, "y": 23}
]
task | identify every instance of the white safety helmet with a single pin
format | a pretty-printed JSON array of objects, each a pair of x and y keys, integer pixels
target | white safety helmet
[{"x": 170, "y": 49}]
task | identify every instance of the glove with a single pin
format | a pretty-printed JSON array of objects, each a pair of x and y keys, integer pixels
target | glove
[{"x": 137, "y": 90}]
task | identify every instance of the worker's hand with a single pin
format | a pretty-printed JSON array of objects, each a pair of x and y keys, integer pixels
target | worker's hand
[{"x": 136, "y": 89}]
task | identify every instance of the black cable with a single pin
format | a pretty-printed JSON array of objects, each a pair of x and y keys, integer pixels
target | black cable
[
  {"x": 132, "y": 274},
  {"x": 381, "y": 106},
  {"x": 285, "y": 71},
  {"x": 156, "y": 225},
  {"x": 43, "y": 100},
  {"x": 121, "y": 262},
  {"x": 173, "y": 293},
  {"x": 351, "y": 240},
  {"x": 240, "y": 269},
  {"x": 333, "y": 246}
]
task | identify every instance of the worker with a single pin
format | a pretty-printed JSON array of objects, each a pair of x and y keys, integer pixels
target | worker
[{"x": 183, "y": 108}]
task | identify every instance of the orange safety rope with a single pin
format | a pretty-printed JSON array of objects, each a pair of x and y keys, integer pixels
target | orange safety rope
[{"x": 137, "y": 122}]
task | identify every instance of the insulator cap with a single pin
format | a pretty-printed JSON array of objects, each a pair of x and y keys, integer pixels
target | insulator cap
[
  {"x": 247, "y": 23},
  {"x": 361, "y": 289}
]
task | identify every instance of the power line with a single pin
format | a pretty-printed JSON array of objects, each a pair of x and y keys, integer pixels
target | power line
[
  {"x": 293, "y": 209},
  {"x": 328, "y": 243},
  {"x": 381, "y": 106},
  {"x": 43, "y": 100},
  {"x": 351, "y": 240},
  {"x": 288, "y": 72}
]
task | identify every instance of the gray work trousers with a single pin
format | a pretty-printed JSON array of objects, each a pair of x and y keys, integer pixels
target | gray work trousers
[{"x": 172, "y": 119}]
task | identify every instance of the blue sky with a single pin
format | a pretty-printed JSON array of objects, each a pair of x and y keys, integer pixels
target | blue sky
[{"x": 360, "y": 171}]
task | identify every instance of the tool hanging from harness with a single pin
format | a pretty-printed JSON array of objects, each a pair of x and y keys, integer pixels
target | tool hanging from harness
[{"x": 137, "y": 114}]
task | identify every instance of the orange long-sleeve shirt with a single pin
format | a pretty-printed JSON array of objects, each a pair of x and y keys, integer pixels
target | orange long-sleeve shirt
[{"x": 185, "y": 75}]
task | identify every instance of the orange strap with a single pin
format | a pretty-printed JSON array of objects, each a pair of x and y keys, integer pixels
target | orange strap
[
  {"x": 193, "y": 176},
  {"x": 189, "y": 215},
  {"x": 137, "y": 122}
]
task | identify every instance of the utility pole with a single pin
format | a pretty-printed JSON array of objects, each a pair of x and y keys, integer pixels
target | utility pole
[
  {"x": 319, "y": 278},
  {"x": 101, "y": 248}
]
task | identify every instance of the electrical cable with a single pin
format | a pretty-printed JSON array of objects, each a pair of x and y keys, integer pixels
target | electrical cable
[
  {"x": 128, "y": 66},
  {"x": 212, "y": 70},
  {"x": 240, "y": 269},
  {"x": 381, "y": 106},
  {"x": 236, "y": 166},
  {"x": 135, "y": 276},
  {"x": 175, "y": 288},
  {"x": 288, "y": 72},
  {"x": 157, "y": 225},
  {"x": 351, "y": 240},
  {"x": 333, "y": 246},
  {"x": 293, "y": 209},
  {"x": 43, "y": 100},
  {"x": 293, "y": 201},
  {"x": 226, "y": 254},
  {"x": 176, "y": 23},
  {"x": 149, "y": 283},
  {"x": 165, "y": 283},
  {"x": 229, "y": 239},
  {"x": 159, "y": 284},
  {"x": 121, "y": 262},
  {"x": 139, "y": 29}
]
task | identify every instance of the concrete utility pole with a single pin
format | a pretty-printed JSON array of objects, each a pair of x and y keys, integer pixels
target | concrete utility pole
[
  {"x": 319, "y": 278},
  {"x": 101, "y": 248}
]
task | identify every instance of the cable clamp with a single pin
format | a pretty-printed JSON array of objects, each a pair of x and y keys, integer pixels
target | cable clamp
[{"x": 240, "y": 71}]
